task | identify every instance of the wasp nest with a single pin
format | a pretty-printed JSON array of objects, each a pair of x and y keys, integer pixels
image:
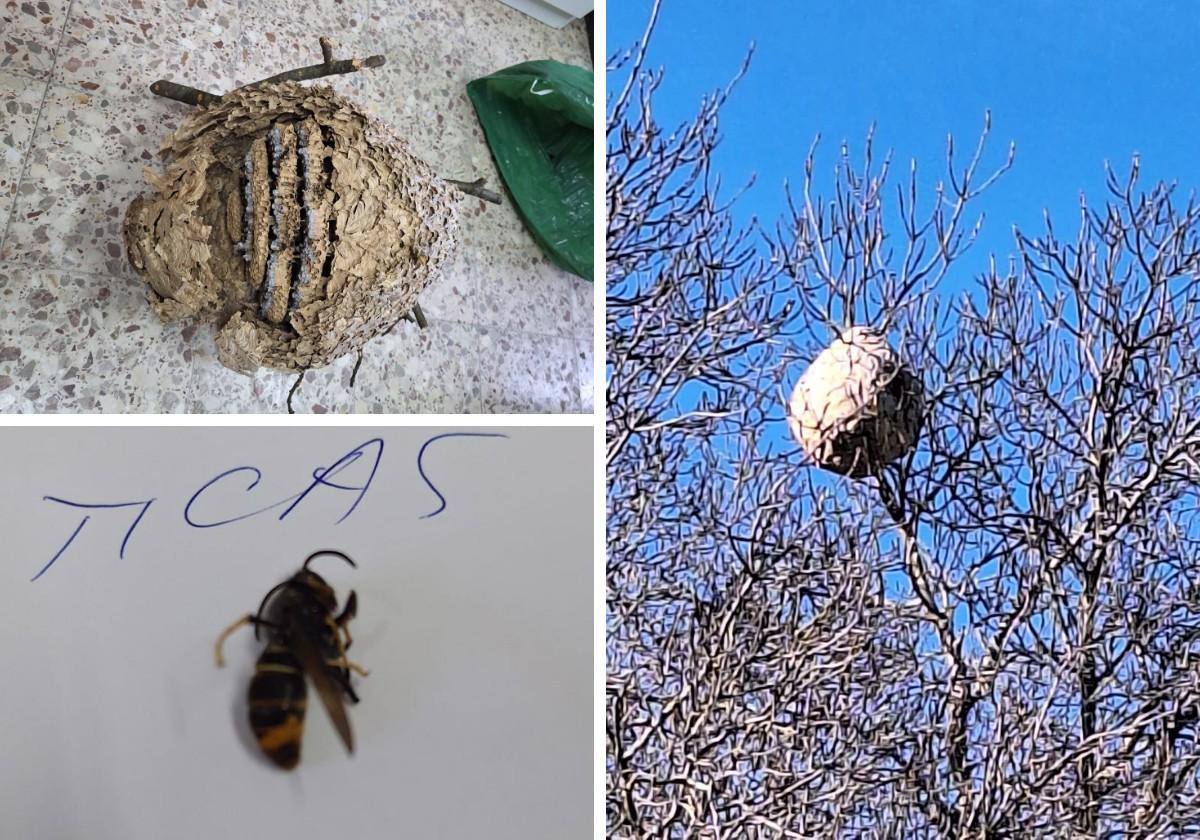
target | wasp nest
[
  {"x": 857, "y": 407},
  {"x": 297, "y": 225}
]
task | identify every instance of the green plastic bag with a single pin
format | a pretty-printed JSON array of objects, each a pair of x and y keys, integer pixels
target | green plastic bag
[{"x": 537, "y": 117}]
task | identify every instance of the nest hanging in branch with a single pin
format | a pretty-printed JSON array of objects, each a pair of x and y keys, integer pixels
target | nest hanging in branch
[
  {"x": 296, "y": 224},
  {"x": 857, "y": 407}
]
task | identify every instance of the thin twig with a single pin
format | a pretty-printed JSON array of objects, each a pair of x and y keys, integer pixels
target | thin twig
[
  {"x": 327, "y": 67},
  {"x": 295, "y": 385},
  {"x": 476, "y": 189},
  {"x": 415, "y": 314},
  {"x": 419, "y": 316},
  {"x": 317, "y": 71},
  {"x": 183, "y": 93}
]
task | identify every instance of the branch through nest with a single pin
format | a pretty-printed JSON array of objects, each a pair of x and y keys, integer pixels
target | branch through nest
[{"x": 328, "y": 67}]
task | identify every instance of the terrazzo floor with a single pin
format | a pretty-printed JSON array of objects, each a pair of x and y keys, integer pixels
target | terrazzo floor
[{"x": 508, "y": 331}]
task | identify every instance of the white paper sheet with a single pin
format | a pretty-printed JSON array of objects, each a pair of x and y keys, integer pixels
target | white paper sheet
[{"x": 475, "y": 622}]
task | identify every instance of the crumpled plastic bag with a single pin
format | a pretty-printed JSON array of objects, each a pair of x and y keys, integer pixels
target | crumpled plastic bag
[{"x": 538, "y": 117}]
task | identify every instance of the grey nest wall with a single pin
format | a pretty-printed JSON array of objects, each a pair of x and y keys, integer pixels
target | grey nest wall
[{"x": 858, "y": 406}]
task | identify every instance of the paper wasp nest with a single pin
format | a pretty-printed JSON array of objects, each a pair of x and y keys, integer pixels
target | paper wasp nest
[
  {"x": 857, "y": 407},
  {"x": 296, "y": 224}
]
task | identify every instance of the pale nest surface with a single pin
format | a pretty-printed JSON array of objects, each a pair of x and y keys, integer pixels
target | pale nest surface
[
  {"x": 857, "y": 407},
  {"x": 296, "y": 224}
]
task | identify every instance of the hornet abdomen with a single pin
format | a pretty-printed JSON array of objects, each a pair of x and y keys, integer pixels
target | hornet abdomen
[{"x": 277, "y": 703}]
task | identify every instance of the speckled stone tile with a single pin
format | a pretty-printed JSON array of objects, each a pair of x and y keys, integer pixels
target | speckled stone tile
[
  {"x": 453, "y": 295},
  {"x": 512, "y": 39},
  {"x": 433, "y": 24},
  {"x": 421, "y": 42},
  {"x": 71, "y": 224},
  {"x": 522, "y": 373},
  {"x": 325, "y": 390},
  {"x": 124, "y": 45},
  {"x": 83, "y": 136},
  {"x": 482, "y": 219},
  {"x": 432, "y": 54},
  {"x": 497, "y": 224},
  {"x": 20, "y": 100},
  {"x": 425, "y": 108},
  {"x": 585, "y": 308},
  {"x": 85, "y": 343},
  {"x": 281, "y": 36},
  {"x": 215, "y": 389},
  {"x": 585, "y": 353},
  {"x": 520, "y": 290},
  {"x": 84, "y": 167},
  {"x": 29, "y": 34},
  {"x": 433, "y": 370}
]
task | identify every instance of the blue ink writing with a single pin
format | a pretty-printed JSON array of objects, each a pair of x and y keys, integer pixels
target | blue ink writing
[
  {"x": 321, "y": 478},
  {"x": 421, "y": 466},
  {"x": 145, "y": 506},
  {"x": 354, "y": 473}
]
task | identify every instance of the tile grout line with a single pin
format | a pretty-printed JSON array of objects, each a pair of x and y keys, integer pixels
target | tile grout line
[
  {"x": 37, "y": 121},
  {"x": 478, "y": 351},
  {"x": 574, "y": 344}
]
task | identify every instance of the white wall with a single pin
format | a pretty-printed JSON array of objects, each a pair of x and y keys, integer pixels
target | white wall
[{"x": 556, "y": 13}]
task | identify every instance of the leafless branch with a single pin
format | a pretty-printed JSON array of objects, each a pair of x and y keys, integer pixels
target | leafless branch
[{"x": 997, "y": 636}]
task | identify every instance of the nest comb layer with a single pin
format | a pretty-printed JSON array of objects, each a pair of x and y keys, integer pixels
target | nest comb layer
[
  {"x": 295, "y": 223},
  {"x": 857, "y": 407}
]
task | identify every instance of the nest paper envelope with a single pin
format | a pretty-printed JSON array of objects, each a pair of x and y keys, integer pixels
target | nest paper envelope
[
  {"x": 298, "y": 225},
  {"x": 858, "y": 406}
]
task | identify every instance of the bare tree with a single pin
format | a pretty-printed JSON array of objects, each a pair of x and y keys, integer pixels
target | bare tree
[{"x": 996, "y": 635}]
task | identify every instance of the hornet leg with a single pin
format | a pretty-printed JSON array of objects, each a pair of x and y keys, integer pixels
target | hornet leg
[{"x": 237, "y": 625}]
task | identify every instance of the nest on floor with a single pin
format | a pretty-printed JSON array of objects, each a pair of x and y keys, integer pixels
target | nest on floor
[
  {"x": 296, "y": 224},
  {"x": 858, "y": 406}
]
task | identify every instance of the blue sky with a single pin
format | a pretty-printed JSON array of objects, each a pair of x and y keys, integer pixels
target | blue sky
[{"x": 1072, "y": 83}]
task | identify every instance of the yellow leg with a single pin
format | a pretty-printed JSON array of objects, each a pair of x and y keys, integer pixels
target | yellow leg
[
  {"x": 343, "y": 662},
  {"x": 228, "y": 631},
  {"x": 341, "y": 634}
]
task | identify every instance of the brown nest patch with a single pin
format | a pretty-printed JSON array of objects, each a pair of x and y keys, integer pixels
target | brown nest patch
[{"x": 296, "y": 224}]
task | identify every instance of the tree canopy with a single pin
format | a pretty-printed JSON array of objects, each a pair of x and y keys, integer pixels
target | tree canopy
[{"x": 996, "y": 635}]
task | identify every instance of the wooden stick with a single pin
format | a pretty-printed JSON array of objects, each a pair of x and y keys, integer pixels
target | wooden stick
[
  {"x": 183, "y": 93},
  {"x": 295, "y": 385},
  {"x": 317, "y": 71},
  {"x": 327, "y": 67},
  {"x": 419, "y": 316},
  {"x": 476, "y": 189}
]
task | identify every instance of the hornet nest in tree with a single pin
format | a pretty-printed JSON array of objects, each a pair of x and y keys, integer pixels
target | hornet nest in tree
[
  {"x": 857, "y": 407},
  {"x": 296, "y": 224}
]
